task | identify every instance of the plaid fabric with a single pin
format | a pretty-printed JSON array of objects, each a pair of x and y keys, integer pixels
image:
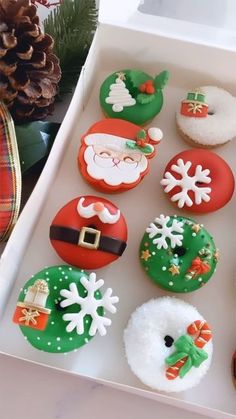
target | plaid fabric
[{"x": 10, "y": 176}]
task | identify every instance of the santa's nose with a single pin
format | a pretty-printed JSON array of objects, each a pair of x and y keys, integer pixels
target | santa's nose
[
  {"x": 116, "y": 161},
  {"x": 98, "y": 206}
]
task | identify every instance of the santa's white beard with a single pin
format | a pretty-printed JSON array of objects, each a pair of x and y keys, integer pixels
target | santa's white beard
[{"x": 104, "y": 168}]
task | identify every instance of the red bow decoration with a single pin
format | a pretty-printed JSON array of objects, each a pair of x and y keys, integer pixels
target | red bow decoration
[{"x": 199, "y": 267}]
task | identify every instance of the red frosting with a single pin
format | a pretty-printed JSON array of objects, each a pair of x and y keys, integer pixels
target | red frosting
[
  {"x": 222, "y": 180},
  {"x": 80, "y": 256}
]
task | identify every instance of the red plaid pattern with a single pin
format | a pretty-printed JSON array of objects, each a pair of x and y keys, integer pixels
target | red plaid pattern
[{"x": 10, "y": 175}]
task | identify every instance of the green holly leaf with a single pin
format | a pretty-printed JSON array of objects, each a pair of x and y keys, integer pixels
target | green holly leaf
[
  {"x": 143, "y": 98},
  {"x": 142, "y": 135},
  {"x": 138, "y": 77},
  {"x": 161, "y": 80}
]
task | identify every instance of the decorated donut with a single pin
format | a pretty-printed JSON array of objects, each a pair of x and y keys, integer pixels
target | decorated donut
[
  {"x": 133, "y": 95},
  {"x": 178, "y": 254},
  {"x": 193, "y": 181},
  {"x": 114, "y": 154},
  {"x": 168, "y": 344},
  {"x": 61, "y": 308},
  {"x": 89, "y": 232},
  {"x": 207, "y": 117}
]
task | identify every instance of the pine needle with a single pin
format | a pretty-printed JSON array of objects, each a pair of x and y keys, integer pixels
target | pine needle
[{"x": 72, "y": 26}]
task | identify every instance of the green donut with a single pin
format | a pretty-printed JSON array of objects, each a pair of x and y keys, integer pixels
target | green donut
[
  {"x": 52, "y": 280},
  {"x": 133, "y": 95},
  {"x": 178, "y": 254}
]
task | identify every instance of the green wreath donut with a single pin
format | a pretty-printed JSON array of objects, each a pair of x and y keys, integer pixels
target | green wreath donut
[
  {"x": 61, "y": 308},
  {"x": 178, "y": 254}
]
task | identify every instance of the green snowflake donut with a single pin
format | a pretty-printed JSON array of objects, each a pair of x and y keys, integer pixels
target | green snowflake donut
[
  {"x": 133, "y": 95},
  {"x": 178, "y": 254},
  {"x": 61, "y": 308}
]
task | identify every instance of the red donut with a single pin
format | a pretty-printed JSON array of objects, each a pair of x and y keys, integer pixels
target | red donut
[
  {"x": 89, "y": 232},
  {"x": 198, "y": 181}
]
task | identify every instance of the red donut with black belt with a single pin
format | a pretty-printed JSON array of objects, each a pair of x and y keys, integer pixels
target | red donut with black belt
[
  {"x": 89, "y": 232},
  {"x": 198, "y": 181}
]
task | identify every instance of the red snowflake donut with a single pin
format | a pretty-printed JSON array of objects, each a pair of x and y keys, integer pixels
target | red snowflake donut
[
  {"x": 89, "y": 232},
  {"x": 198, "y": 181},
  {"x": 114, "y": 154}
]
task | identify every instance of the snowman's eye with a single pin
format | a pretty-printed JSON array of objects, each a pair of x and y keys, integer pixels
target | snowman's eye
[{"x": 168, "y": 341}]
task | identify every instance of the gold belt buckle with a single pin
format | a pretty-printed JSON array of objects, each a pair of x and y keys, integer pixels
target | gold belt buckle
[{"x": 82, "y": 238}]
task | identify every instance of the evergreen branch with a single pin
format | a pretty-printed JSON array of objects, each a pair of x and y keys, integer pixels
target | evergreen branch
[{"x": 72, "y": 26}]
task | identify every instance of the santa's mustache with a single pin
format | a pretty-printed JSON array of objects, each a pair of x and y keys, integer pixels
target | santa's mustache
[{"x": 98, "y": 209}]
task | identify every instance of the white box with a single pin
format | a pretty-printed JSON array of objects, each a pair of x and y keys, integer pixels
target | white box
[{"x": 116, "y": 46}]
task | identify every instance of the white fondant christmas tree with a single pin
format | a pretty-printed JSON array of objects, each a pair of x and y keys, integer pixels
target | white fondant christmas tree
[{"x": 119, "y": 95}]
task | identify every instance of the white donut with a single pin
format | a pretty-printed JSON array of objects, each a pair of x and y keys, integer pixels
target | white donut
[
  {"x": 146, "y": 349},
  {"x": 218, "y": 127}
]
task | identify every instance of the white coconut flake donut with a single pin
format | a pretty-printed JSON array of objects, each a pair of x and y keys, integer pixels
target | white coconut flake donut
[
  {"x": 219, "y": 124},
  {"x": 157, "y": 334}
]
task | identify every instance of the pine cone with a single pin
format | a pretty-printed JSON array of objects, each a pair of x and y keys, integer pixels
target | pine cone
[{"x": 29, "y": 71}]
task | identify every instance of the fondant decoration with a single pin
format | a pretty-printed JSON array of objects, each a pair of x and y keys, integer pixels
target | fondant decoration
[
  {"x": 114, "y": 154},
  {"x": 32, "y": 311},
  {"x": 193, "y": 181},
  {"x": 187, "y": 183},
  {"x": 189, "y": 352},
  {"x": 133, "y": 95},
  {"x": 194, "y": 105},
  {"x": 163, "y": 230},
  {"x": 75, "y": 308},
  {"x": 119, "y": 96},
  {"x": 10, "y": 175},
  {"x": 89, "y": 232},
  {"x": 164, "y": 342},
  {"x": 178, "y": 254},
  {"x": 88, "y": 305},
  {"x": 216, "y": 127}
]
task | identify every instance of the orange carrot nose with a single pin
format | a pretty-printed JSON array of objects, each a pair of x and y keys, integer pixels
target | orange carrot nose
[{"x": 98, "y": 206}]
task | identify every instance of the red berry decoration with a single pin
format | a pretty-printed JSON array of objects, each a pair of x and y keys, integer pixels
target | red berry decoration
[
  {"x": 150, "y": 89},
  {"x": 142, "y": 88}
]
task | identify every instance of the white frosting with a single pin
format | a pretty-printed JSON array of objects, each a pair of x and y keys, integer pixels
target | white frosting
[
  {"x": 155, "y": 134},
  {"x": 145, "y": 345},
  {"x": 119, "y": 96},
  {"x": 88, "y": 305},
  {"x": 215, "y": 129},
  {"x": 161, "y": 232},
  {"x": 187, "y": 183},
  {"x": 90, "y": 211}
]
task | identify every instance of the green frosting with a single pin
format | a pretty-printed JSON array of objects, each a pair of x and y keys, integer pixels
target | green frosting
[
  {"x": 184, "y": 267},
  {"x": 55, "y": 338},
  {"x": 146, "y": 106}
]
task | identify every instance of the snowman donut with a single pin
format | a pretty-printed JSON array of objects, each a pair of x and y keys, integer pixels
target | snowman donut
[
  {"x": 114, "y": 154},
  {"x": 133, "y": 95},
  {"x": 168, "y": 344},
  {"x": 207, "y": 117},
  {"x": 61, "y": 308},
  {"x": 89, "y": 232}
]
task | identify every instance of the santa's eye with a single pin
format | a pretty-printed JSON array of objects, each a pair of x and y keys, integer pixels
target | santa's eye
[
  {"x": 105, "y": 154},
  {"x": 168, "y": 341},
  {"x": 128, "y": 159}
]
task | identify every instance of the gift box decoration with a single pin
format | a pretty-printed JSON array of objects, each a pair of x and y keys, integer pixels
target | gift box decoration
[
  {"x": 32, "y": 312},
  {"x": 194, "y": 105}
]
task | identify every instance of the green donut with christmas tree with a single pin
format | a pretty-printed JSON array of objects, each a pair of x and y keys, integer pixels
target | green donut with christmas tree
[
  {"x": 61, "y": 308},
  {"x": 133, "y": 95}
]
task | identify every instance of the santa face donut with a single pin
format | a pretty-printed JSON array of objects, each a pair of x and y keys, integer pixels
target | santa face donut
[
  {"x": 178, "y": 254},
  {"x": 207, "y": 117},
  {"x": 193, "y": 181},
  {"x": 114, "y": 154},
  {"x": 61, "y": 308},
  {"x": 89, "y": 232},
  {"x": 133, "y": 95},
  {"x": 168, "y": 344}
]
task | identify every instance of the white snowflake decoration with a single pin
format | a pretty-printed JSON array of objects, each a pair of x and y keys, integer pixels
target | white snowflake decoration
[
  {"x": 187, "y": 183},
  {"x": 88, "y": 306},
  {"x": 166, "y": 232}
]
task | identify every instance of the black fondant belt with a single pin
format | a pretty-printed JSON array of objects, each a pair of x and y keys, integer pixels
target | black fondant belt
[{"x": 89, "y": 238}]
